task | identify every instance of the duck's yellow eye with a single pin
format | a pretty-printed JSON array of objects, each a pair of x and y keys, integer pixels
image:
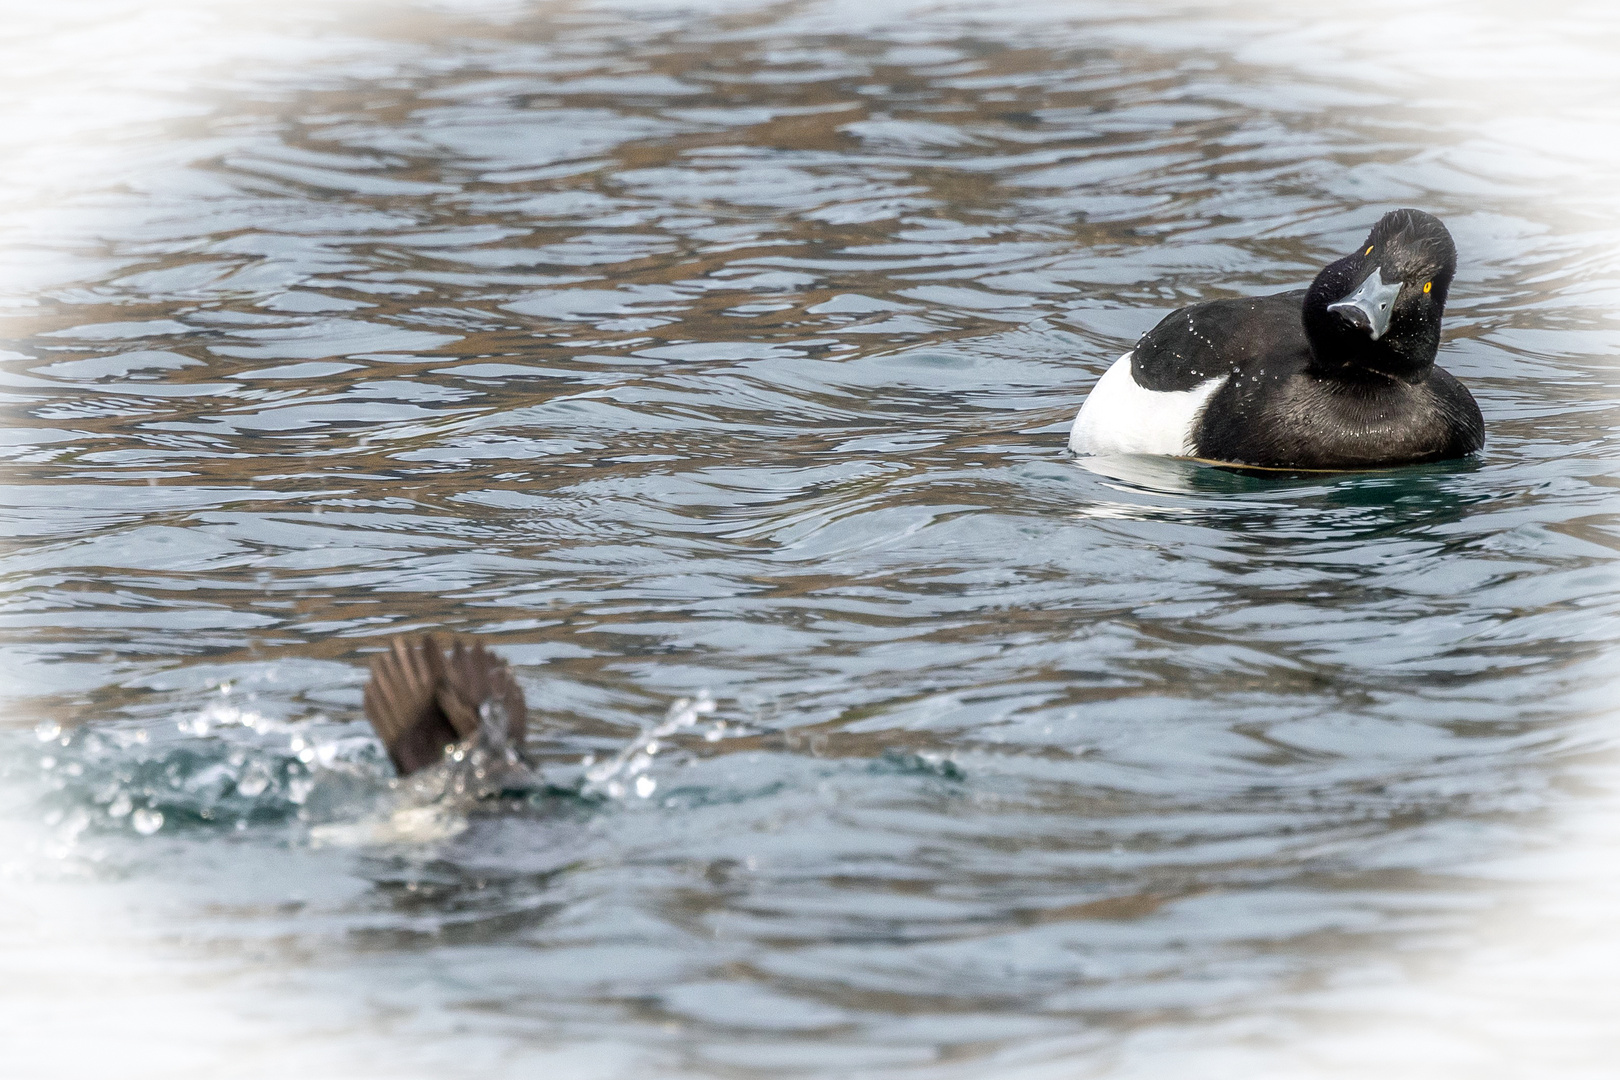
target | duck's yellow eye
[
  {"x": 1368, "y": 251},
  {"x": 1427, "y": 285}
]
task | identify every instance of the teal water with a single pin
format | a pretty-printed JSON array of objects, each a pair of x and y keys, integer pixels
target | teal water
[{"x": 727, "y": 353}]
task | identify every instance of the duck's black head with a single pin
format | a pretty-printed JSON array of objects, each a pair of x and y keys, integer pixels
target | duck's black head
[{"x": 1379, "y": 309}]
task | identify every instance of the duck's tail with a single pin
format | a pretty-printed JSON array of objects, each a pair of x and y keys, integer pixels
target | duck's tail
[{"x": 423, "y": 700}]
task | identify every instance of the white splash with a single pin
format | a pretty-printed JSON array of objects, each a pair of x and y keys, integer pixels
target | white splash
[
  {"x": 405, "y": 825},
  {"x": 609, "y": 777}
]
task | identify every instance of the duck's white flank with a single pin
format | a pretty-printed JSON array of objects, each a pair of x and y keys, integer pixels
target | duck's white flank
[{"x": 1119, "y": 417}]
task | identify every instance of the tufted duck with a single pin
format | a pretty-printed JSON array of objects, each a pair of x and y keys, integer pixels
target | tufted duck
[{"x": 1337, "y": 376}]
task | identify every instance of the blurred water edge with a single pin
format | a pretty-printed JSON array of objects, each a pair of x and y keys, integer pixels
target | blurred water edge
[{"x": 713, "y": 362}]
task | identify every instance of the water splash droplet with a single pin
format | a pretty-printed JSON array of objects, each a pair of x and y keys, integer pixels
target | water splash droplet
[
  {"x": 645, "y": 786},
  {"x": 253, "y": 781},
  {"x": 636, "y": 757},
  {"x": 298, "y": 789},
  {"x": 120, "y": 806},
  {"x": 77, "y": 821},
  {"x": 46, "y": 730},
  {"x": 145, "y": 821}
]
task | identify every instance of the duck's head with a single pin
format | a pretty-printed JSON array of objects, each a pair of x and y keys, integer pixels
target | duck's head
[{"x": 1379, "y": 309}]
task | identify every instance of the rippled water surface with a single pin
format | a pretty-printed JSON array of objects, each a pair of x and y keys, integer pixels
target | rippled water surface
[{"x": 727, "y": 353}]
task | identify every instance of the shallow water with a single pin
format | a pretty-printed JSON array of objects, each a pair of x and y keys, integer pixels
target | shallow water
[{"x": 727, "y": 354}]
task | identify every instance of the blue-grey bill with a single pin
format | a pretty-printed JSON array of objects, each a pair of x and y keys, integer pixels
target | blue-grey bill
[{"x": 1371, "y": 305}]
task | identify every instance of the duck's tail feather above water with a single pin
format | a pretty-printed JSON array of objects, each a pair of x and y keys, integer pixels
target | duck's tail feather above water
[{"x": 422, "y": 700}]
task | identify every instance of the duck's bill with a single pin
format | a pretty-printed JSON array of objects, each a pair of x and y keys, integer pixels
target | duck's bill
[{"x": 1371, "y": 305}]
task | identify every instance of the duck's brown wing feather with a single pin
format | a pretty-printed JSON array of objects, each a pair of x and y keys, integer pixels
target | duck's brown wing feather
[
  {"x": 401, "y": 701},
  {"x": 421, "y": 701},
  {"x": 472, "y": 676}
]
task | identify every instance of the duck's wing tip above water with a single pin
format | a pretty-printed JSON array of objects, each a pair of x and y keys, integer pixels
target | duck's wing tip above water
[
  {"x": 474, "y": 676},
  {"x": 402, "y": 703},
  {"x": 421, "y": 700}
]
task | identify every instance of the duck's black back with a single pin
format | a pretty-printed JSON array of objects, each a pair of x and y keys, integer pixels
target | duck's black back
[{"x": 1206, "y": 341}]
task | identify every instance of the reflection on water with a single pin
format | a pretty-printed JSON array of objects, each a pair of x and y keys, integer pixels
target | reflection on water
[{"x": 732, "y": 350}]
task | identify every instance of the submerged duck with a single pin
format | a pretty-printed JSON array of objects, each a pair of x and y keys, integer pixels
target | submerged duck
[
  {"x": 428, "y": 705},
  {"x": 1337, "y": 376}
]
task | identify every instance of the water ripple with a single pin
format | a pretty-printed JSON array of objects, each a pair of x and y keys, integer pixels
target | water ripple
[{"x": 732, "y": 349}]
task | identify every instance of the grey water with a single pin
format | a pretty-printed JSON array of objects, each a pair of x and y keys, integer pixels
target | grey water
[{"x": 714, "y": 364}]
